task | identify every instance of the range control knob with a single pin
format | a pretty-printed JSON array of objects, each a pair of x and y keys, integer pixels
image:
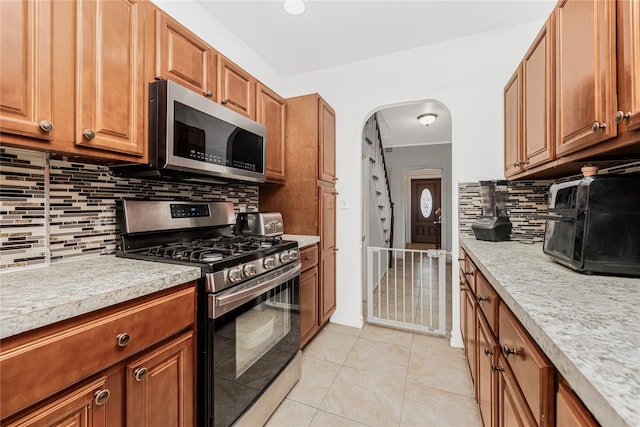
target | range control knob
[
  {"x": 285, "y": 257},
  {"x": 293, "y": 254},
  {"x": 235, "y": 274},
  {"x": 249, "y": 270},
  {"x": 269, "y": 262}
]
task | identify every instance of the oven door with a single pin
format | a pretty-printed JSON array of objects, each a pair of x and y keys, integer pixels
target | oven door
[{"x": 252, "y": 342}]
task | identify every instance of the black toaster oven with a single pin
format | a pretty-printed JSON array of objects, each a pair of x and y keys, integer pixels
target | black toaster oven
[{"x": 593, "y": 224}]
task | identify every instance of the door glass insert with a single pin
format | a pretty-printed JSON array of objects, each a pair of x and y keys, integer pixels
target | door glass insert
[{"x": 426, "y": 203}]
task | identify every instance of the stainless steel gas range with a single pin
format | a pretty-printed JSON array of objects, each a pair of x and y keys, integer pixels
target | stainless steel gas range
[{"x": 248, "y": 324}]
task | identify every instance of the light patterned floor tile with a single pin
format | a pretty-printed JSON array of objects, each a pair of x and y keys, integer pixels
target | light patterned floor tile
[
  {"x": 317, "y": 376},
  {"x": 387, "y": 335},
  {"x": 424, "y": 406},
  {"x": 325, "y": 419},
  {"x": 371, "y": 399},
  {"x": 341, "y": 329},
  {"x": 379, "y": 358},
  {"x": 291, "y": 414},
  {"x": 330, "y": 346}
]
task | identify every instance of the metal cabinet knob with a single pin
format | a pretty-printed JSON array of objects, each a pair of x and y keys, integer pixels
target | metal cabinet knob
[
  {"x": 488, "y": 352},
  {"x": 468, "y": 273},
  {"x": 495, "y": 368},
  {"x": 89, "y": 134},
  {"x": 462, "y": 288},
  {"x": 308, "y": 258},
  {"x": 598, "y": 126},
  {"x": 101, "y": 396},
  {"x": 140, "y": 374},
  {"x": 224, "y": 101},
  {"x": 480, "y": 299},
  {"x": 46, "y": 125},
  {"x": 620, "y": 116},
  {"x": 509, "y": 351},
  {"x": 123, "y": 339},
  {"x": 208, "y": 94}
]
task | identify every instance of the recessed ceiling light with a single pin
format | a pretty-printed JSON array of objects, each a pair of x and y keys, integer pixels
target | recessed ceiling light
[
  {"x": 294, "y": 7},
  {"x": 427, "y": 119}
]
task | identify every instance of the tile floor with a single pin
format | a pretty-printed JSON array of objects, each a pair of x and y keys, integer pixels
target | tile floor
[{"x": 379, "y": 377}]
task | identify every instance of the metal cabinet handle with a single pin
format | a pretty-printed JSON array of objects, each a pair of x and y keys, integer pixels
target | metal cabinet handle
[
  {"x": 480, "y": 299},
  {"x": 495, "y": 368},
  {"x": 598, "y": 126},
  {"x": 224, "y": 101},
  {"x": 509, "y": 351},
  {"x": 460, "y": 259},
  {"x": 89, "y": 134},
  {"x": 140, "y": 374},
  {"x": 468, "y": 273},
  {"x": 123, "y": 339},
  {"x": 308, "y": 258},
  {"x": 488, "y": 352},
  {"x": 46, "y": 125},
  {"x": 620, "y": 116},
  {"x": 208, "y": 94},
  {"x": 462, "y": 288},
  {"x": 101, "y": 396}
]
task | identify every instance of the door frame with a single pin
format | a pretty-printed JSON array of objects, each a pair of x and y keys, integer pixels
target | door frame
[{"x": 426, "y": 173}]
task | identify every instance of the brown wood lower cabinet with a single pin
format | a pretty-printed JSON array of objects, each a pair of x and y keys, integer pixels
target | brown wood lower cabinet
[
  {"x": 132, "y": 361},
  {"x": 515, "y": 383},
  {"x": 309, "y": 304}
]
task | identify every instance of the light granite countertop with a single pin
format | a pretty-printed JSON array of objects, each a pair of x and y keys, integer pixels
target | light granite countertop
[
  {"x": 588, "y": 326},
  {"x": 303, "y": 240},
  {"x": 41, "y": 296}
]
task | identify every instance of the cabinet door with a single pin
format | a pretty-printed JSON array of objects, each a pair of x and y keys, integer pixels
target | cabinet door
[
  {"x": 110, "y": 75},
  {"x": 25, "y": 68},
  {"x": 486, "y": 384},
  {"x": 236, "y": 88},
  {"x": 308, "y": 305},
  {"x": 184, "y": 58},
  {"x": 469, "y": 311},
  {"x": 85, "y": 406},
  {"x": 512, "y": 409},
  {"x": 327, "y": 252},
  {"x": 270, "y": 111},
  {"x": 629, "y": 64},
  {"x": 327, "y": 142},
  {"x": 538, "y": 98},
  {"x": 160, "y": 386},
  {"x": 512, "y": 125},
  {"x": 570, "y": 411},
  {"x": 585, "y": 73}
]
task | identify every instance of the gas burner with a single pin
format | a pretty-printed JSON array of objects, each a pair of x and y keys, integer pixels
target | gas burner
[{"x": 211, "y": 256}]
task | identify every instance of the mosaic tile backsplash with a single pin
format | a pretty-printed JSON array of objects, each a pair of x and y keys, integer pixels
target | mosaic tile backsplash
[
  {"x": 526, "y": 200},
  {"x": 54, "y": 210}
]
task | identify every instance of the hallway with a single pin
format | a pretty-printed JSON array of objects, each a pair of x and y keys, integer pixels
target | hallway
[{"x": 379, "y": 377}]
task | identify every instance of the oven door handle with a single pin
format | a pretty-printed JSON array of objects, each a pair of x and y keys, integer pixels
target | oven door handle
[{"x": 247, "y": 294}]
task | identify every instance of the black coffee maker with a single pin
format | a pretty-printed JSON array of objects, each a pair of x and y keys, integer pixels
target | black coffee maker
[{"x": 493, "y": 225}]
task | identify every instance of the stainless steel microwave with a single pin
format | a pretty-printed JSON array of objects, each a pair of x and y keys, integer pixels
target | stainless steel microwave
[{"x": 194, "y": 138}]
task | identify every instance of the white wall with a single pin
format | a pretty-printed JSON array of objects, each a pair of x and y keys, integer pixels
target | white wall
[{"x": 466, "y": 74}]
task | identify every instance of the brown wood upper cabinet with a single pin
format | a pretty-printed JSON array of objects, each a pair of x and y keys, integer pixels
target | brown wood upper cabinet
[
  {"x": 236, "y": 88},
  {"x": 270, "y": 111},
  {"x": 25, "y": 70},
  {"x": 327, "y": 146},
  {"x": 628, "y": 114},
  {"x": 72, "y": 77},
  {"x": 111, "y": 88},
  {"x": 529, "y": 106},
  {"x": 586, "y": 73},
  {"x": 182, "y": 57}
]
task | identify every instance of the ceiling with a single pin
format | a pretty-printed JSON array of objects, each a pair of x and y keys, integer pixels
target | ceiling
[{"x": 336, "y": 32}]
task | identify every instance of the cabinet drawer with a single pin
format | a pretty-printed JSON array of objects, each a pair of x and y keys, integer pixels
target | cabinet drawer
[
  {"x": 531, "y": 368},
  {"x": 34, "y": 368},
  {"x": 488, "y": 301},
  {"x": 309, "y": 257}
]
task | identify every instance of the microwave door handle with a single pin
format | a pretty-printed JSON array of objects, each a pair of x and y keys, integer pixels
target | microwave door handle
[{"x": 247, "y": 294}]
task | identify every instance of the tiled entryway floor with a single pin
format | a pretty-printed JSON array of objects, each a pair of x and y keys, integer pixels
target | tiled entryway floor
[{"x": 379, "y": 377}]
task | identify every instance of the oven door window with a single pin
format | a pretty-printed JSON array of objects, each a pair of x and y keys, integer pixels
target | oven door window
[{"x": 251, "y": 346}]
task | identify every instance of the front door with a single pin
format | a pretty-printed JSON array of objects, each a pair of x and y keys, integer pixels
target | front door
[{"x": 425, "y": 201}]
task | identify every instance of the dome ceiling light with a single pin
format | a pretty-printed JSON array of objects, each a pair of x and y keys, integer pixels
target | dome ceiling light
[
  {"x": 427, "y": 119},
  {"x": 294, "y": 7}
]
